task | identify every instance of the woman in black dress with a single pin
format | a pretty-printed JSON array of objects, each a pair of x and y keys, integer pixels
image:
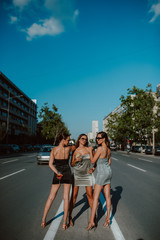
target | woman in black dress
[{"x": 59, "y": 164}]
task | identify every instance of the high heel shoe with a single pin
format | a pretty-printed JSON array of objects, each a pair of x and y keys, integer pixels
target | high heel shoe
[
  {"x": 90, "y": 226},
  {"x": 43, "y": 223},
  {"x": 107, "y": 223},
  {"x": 64, "y": 226},
  {"x": 70, "y": 222}
]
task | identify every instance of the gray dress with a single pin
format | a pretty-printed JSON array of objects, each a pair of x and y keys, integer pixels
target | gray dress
[
  {"x": 104, "y": 172},
  {"x": 81, "y": 175}
]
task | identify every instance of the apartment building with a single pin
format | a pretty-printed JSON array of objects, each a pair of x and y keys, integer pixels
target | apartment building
[{"x": 18, "y": 113}]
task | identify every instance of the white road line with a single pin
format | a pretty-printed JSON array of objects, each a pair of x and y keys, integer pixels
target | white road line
[
  {"x": 145, "y": 160},
  {"x": 12, "y": 174},
  {"x": 114, "y": 158},
  {"x": 50, "y": 235},
  {"x": 11, "y": 161},
  {"x": 114, "y": 225},
  {"x": 137, "y": 168}
]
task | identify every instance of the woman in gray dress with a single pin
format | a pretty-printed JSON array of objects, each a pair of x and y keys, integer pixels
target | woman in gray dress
[
  {"x": 82, "y": 171},
  {"x": 103, "y": 178}
]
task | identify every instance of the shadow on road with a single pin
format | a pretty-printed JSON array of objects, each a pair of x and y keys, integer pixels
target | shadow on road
[
  {"x": 116, "y": 196},
  {"x": 84, "y": 201}
]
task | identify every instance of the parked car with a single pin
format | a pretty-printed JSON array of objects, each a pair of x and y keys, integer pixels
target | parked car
[
  {"x": 5, "y": 149},
  {"x": 136, "y": 149},
  {"x": 44, "y": 154},
  {"x": 37, "y": 147},
  {"x": 149, "y": 149},
  {"x": 27, "y": 147},
  {"x": 113, "y": 147},
  {"x": 15, "y": 147},
  {"x": 157, "y": 150},
  {"x": 143, "y": 149}
]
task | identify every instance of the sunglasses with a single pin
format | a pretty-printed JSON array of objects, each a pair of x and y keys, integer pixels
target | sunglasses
[
  {"x": 98, "y": 138},
  {"x": 84, "y": 139}
]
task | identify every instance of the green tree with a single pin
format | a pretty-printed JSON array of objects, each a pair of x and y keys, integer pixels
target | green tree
[
  {"x": 137, "y": 118},
  {"x": 52, "y": 124}
]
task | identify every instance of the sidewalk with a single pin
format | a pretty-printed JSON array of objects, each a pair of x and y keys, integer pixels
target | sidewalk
[
  {"x": 139, "y": 154},
  {"x": 81, "y": 215}
]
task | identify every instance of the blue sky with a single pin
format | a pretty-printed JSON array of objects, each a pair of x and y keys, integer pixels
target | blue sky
[{"x": 80, "y": 55}]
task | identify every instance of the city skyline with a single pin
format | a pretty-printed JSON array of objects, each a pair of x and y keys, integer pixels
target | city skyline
[{"x": 80, "y": 56}]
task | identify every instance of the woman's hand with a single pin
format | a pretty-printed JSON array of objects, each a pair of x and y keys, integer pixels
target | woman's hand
[
  {"x": 91, "y": 170},
  {"x": 91, "y": 149},
  {"x": 78, "y": 159}
]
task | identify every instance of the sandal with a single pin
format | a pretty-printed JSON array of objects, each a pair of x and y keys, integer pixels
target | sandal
[
  {"x": 90, "y": 226},
  {"x": 70, "y": 221},
  {"x": 107, "y": 223},
  {"x": 64, "y": 226},
  {"x": 43, "y": 223}
]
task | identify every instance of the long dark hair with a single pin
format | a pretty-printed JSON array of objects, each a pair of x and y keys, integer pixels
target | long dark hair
[
  {"x": 63, "y": 136},
  {"x": 77, "y": 142},
  {"x": 104, "y": 135}
]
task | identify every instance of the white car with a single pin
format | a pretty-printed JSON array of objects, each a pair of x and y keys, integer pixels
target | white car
[{"x": 44, "y": 154}]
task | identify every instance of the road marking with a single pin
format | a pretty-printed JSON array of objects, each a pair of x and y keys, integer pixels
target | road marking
[
  {"x": 114, "y": 225},
  {"x": 31, "y": 155},
  {"x": 12, "y": 174},
  {"x": 137, "y": 168},
  {"x": 145, "y": 160},
  {"x": 114, "y": 158},
  {"x": 50, "y": 235},
  {"x": 11, "y": 161}
]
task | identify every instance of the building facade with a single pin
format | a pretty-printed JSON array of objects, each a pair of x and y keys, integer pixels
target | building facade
[
  {"x": 119, "y": 110},
  {"x": 18, "y": 113},
  {"x": 95, "y": 130}
]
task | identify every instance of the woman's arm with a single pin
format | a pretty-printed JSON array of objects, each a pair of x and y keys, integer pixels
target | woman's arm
[
  {"x": 109, "y": 156},
  {"x": 96, "y": 156},
  {"x": 51, "y": 160},
  {"x": 75, "y": 159}
]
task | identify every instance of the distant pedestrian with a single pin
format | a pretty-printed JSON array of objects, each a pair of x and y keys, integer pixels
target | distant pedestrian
[
  {"x": 59, "y": 164},
  {"x": 103, "y": 177},
  {"x": 83, "y": 170},
  {"x": 128, "y": 148}
]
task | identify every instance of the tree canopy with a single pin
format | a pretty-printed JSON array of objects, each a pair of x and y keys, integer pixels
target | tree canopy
[
  {"x": 139, "y": 116},
  {"x": 52, "y": 125}
]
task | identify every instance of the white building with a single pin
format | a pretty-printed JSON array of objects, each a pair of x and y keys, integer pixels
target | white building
[{"x": 95, "y": 130}]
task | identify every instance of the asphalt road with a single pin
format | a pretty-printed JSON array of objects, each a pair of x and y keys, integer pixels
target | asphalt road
[{"x": 135, "y": 195}]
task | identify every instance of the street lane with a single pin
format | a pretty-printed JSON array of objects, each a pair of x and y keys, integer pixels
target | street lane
[
  {"x": 135, "y": 199},
  {"x": 138, "y": 196}
]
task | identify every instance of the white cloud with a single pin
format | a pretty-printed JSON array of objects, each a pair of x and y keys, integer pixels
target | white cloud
[
  {"x": 155, "y": 8},
  {"x": 57, "y": 14},
  {"x": 21, "y": 3},
  {"x": 48, "y": 27},
  {"x": 75, "y": 15},
  {"x": 13, "y": 19}
]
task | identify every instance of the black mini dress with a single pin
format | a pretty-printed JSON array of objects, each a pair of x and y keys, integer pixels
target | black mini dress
[{"x": 62, "y": 165}]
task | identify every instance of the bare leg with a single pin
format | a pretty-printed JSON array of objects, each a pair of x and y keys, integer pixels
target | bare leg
[
  {"x": 108, "y": 203},
  {"x": 52, "y": 195},
  {"x": 72, "y": 203},
  {"x": 89, "y": 195},
  {"x": 97, "y": 191},
  {"x": 66, "y": 191}
]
